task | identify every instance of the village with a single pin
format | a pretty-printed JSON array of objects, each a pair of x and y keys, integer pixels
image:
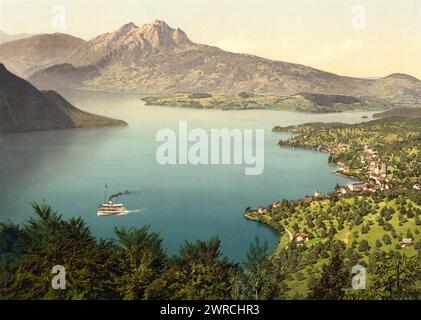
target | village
[
  {"x": 375, "y": 169},
  {"x": 378, "y": 179}
]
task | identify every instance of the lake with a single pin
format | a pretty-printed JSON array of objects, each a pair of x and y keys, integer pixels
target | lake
[{"x": 69, "y": 169}]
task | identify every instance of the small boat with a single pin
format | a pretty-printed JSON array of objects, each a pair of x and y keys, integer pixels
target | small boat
[{"x": 111, "y": 209}]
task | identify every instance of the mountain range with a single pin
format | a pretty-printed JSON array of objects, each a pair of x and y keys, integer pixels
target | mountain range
[
  {"x": 4, "y": 37},
  {"x": 156, "y": 58},
  {"x": 25, "y": 108},
  {"x": 25, "y": 56}
]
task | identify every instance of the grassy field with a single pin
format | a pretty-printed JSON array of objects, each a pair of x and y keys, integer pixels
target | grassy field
[
  {"x": 362, "y": 224},
  {"x": 351, "y": 220}
]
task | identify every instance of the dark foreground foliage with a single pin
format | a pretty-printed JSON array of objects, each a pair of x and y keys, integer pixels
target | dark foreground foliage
[{"x": 135, "y": 266}]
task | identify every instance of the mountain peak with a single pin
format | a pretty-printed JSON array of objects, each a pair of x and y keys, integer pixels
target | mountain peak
[
  {"x": 160, "y": 35},
  {"x": 130, "y": 25},
  {"x": 158, "y": 22},
  {"x": 157, "y": 26},
  {"x": 127, "y": 28},
  {"x": 130, "y": 44}
]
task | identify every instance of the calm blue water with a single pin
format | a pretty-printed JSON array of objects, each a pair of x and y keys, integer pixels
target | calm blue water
[{"x": 69, "y": 168}]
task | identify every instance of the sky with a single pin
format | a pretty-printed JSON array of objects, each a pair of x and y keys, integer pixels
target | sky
[{"x": 362, "y": 38}]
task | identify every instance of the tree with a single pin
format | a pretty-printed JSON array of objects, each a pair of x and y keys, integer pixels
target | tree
[
  {"x": 265, "y": 280},
  {"x": 141, "y": 261},
  {"x": 386, "y": 239},
  {"x": 50, "y": 241},
  {"x": 199, "y": 272},
  {"x": 256, "y": 253},
  {"x": 393, "y": 276},
  {"x": 332, "y": 282},
  {"x": 363, "y": 246},
  {"x": 12, "y": 243}
]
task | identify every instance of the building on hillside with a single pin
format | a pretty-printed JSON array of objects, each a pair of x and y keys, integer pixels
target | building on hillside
[
  {"x": 307, "y": 200},
  {"x": 317, "y": 194},
  {"x": 383, "y": 183},
  {"x": 356, "y": 186},
  {"x": 342, "y": 190},
  {"x": 300, "y": 237},
  {"x": 262, "y": 210},
  {"x": 372, "y": 168},
  {"x": 383, "y": 169},
  {"x": 370, "y": 186},
  {"x": 276, "y": 204},
  {"x": 417, "y": 186},
  {"x": 407, "y": 242},
  {"x": 343, "y": 147},
  {"x": 368, "y": 150}
]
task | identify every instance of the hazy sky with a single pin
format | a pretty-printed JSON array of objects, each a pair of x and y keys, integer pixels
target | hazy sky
[{"x": 365, "y": 38}]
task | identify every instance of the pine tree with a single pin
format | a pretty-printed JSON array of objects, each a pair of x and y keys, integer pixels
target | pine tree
[{"x": 332, "y": 282}]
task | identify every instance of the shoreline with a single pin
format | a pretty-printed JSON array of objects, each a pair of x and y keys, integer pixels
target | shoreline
[
  {"x": 265, "y": 109},
  {"x": 281, "y": 241},
  {"x": 336, "y": 172}
]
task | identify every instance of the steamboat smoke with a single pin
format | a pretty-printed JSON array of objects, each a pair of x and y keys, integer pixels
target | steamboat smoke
[{"x": 125, "y": 193}]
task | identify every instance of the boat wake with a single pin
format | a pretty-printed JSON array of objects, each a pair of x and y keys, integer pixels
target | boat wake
[{"x": 138, "y": 211}]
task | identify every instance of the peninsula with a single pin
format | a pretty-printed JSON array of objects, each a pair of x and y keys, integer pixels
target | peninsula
[
  {"x": 24, "y": 108},
  {"x": 301, "y": 102}
]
